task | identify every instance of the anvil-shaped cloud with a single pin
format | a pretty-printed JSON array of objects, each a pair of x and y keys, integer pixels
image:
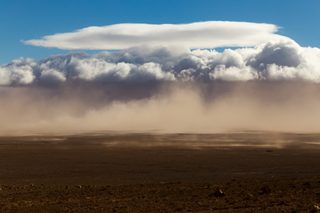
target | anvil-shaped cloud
[{"x": 210, "y": 34}]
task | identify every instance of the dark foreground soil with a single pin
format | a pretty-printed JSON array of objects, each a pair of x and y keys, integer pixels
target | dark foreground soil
[{"x": 238, "y": 172}]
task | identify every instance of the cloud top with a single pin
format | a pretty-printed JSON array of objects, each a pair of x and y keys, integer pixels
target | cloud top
[{"x": 210, "y": 34}]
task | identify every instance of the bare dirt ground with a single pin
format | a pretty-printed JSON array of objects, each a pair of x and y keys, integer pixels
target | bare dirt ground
[{"x": 109, "y": 172}]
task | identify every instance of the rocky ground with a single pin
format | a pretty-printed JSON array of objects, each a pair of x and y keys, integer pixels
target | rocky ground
[{"x": 238, "y": 172}]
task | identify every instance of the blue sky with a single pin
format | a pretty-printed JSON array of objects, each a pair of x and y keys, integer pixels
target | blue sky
[{"x": 25, "y": 20}]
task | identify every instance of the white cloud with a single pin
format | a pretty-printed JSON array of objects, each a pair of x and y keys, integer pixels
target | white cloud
[
  {"x": 17, "y": 72},
  {"x": 233, "y": 73},
  {"x": 52, "y": 75},
  {"x": 210, "y": 34},
  {"x": 271, "y": 61}
]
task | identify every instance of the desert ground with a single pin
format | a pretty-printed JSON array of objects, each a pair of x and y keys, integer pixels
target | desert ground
[{"x": 153, "y": 172}]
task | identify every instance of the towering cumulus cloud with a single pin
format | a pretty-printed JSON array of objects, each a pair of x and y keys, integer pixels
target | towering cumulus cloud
[
  {"x": 162, "y": 85},
  {"x": 272, "y": 60}
]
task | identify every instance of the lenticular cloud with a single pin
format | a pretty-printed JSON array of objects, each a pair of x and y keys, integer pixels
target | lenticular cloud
[
  {"x": 210, "y": 34},
  {"x": 270, "y": 61}
]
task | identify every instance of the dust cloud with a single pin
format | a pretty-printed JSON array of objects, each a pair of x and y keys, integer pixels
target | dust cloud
[{"x": 166, "y": 107}]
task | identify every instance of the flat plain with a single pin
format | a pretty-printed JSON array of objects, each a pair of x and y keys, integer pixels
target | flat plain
[{"x": 150, "y": 172}]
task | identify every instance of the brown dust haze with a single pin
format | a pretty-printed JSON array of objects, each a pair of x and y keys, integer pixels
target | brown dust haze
[{"x": 164, "y": 107}]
